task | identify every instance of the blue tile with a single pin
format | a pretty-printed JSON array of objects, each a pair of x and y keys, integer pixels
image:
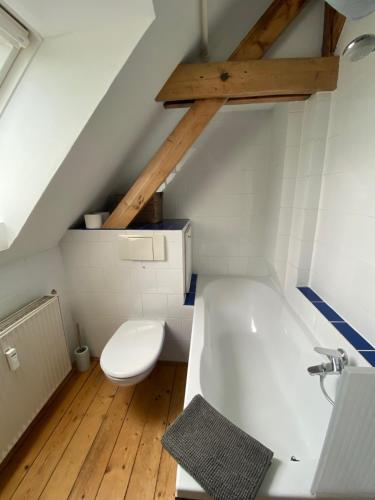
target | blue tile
[
  {"x": 327, "y": 311},
  {"x": 352, "y": 336},
  {"x": 309, "y": 294},
  {"x": 369, "y": 356},
  {"x": 165, "y": 225},
  {"x": 189, "y": 299},
  {"x": 193, "y": 283}
]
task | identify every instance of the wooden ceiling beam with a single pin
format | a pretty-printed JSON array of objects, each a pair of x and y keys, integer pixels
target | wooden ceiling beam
[
  {"x": 269, "y": 27},
  {"x": 233, "y": 79},
  {"x": 333, "y": 25},
  {"x": 244, "y": 100}
]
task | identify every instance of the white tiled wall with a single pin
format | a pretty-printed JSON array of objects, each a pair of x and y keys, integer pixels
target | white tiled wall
[
  {"x": 30, "y": 278},
  {"x": 298, "y": 150},
  {"x": 106, "y": 291},
  {"x": 222, "y": 190},
  {"x": 307, "y": 188},
  {"x": 343, "y": 270},
  {"x": 285, "y": 136}
]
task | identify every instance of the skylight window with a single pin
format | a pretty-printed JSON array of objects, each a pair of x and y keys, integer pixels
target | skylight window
[{"x": 13, "y": 38}]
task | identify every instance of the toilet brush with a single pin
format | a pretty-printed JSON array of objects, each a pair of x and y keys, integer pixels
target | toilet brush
[{"x": 81, "y": 353}]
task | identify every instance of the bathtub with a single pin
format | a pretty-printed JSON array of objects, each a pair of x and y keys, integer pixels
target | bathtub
[{"x": 249, "y": 355}]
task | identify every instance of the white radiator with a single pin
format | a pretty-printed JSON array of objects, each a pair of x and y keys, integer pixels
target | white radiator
[
  {"x": 36, "y": 332},
  {"x": 347, "y": 462}
]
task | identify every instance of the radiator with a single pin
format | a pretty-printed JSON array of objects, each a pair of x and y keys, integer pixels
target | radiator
[
  {"x": 36, "y": 332},
  {"x": 347, "y": 461}
]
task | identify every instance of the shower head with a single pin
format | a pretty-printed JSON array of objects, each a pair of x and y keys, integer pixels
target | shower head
[{"x": 359, "y": 48}]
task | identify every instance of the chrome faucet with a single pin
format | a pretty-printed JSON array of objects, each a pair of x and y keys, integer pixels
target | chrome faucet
[{"x": 338, "y": 359}]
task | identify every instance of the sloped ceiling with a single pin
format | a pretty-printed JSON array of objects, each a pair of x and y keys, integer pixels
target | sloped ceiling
[
  {"x": 128, "y": 126},
  {"x": 66, "y": 78}
]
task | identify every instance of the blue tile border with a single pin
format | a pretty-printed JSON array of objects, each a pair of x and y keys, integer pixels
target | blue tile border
[
  {"x": 327, "y": 311},
  {"x": 353, "y": 336},
  {"x": 165, "y": 225},
  {"x": 347, "y": 331},
  {"x": 190, "y": 296},
  {"x": 310, "y": 294},
  {"x": 189, "y": 299},
  {"x": 369, "y": 356}
]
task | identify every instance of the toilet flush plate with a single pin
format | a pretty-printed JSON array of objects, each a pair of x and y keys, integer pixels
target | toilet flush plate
[
  {"x": 139, "y": 247},
  {"x": 134, "y": 247}
]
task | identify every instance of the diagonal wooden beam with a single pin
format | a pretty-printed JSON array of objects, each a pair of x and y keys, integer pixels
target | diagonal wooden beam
[
  {"x": 269, "y": 27},
  {"x": 273, "y": 22},
  {"x": 244, "y": 100},
  {"x": 333, "y": 25},
  {"x": 233, "y": 79}
]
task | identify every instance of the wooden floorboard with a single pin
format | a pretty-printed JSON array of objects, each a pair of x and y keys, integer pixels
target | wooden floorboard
[
  {"x": 99, "y": 441},
  {"x": 166, "y": 482},
  {"x": 92, "y": 472},
  {"x": 145, "y": 470}
]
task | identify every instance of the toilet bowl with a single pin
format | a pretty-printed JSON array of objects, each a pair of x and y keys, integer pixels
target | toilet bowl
[{"x": 132, "y": 351}]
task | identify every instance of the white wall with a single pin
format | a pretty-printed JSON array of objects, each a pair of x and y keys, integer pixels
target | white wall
[
  {"x": 298, "y": 149},
  {"x": 30, "y": 278},
  {"x": 222, "y": 189},
  {"x": 106, "y": 291},
  {"x": 284, "y": 151},
  {"x": 343, "y": 270},
  {"x": 69, "y": 75}
]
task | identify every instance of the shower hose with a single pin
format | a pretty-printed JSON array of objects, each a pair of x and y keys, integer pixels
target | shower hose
[{"x": 322, "y": 377}]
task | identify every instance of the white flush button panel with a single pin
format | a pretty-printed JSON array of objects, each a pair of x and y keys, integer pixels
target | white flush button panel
[
  {"x": 139, "y": 247},
  {"x": 12, "y": 358}
]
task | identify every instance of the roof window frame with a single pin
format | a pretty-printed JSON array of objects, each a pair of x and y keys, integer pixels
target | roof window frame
[{"x": 25, "y": 43}]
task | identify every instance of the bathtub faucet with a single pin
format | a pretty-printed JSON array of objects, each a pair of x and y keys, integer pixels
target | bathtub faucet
[{"x": 338, "y": 359}]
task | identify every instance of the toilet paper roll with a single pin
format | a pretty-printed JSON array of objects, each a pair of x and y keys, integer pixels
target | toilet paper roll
[{"x": 95, "y": 220}]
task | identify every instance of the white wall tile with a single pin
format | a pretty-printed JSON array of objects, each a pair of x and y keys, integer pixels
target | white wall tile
[
  {"x": 291, "y": 161},
  {"x": 177, "y": 309},
  {"x": 343, "y": 270},
  {"x": 154, "y": 305},
  {"x": 169, "y": 281},
  {"x": 178, "y": 333},
  {"x": 99, "y": 254},
  {"x": 144, "y": 280},
  {"x": 238, "y": 266}
]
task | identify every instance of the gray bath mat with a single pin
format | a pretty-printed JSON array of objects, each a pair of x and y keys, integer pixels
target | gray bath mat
[{"x": 228, "y": 463}]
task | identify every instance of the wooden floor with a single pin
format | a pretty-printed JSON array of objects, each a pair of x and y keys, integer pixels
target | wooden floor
[{"x": 97, "y": 440}]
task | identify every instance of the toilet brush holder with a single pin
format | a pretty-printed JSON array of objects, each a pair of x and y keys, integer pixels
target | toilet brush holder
[{"x": 82, "y": 358}]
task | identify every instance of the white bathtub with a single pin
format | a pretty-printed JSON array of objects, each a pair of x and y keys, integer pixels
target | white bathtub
[{"x": 248, "y": 357}]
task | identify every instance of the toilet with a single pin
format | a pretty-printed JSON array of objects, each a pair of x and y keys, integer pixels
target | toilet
[{"x": 132, "y": 352}]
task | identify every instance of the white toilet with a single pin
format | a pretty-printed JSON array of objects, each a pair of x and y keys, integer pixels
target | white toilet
[{"x": 132, "y": 351}]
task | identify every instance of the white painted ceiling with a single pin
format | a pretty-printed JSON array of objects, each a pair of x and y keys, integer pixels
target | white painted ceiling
[{"x": 47, "y": 20}]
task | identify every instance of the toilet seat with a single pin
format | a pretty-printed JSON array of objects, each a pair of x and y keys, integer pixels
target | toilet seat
[{"x": 132, "y": 351}]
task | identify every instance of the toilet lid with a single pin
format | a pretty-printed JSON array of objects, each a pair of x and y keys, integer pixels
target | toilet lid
[{"x": 133, "y": 348}]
